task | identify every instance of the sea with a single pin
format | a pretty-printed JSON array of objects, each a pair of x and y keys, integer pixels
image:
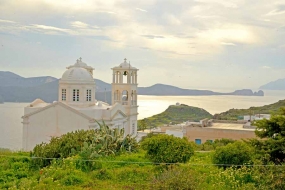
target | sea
[{"x": 11, "y": 113}]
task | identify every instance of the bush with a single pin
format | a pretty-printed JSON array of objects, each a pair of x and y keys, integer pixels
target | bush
[
  {"x": 61, "y": 147},
  {"x": 89, "y": 145},
  {"x": 167, "y": 149},
  {"x": 175, "y": 178},
  {"x": 237, "y": 153},
  {"x": 149, "y": 135}
]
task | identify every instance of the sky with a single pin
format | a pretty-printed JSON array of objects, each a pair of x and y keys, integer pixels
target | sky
[{"x": 195, "y": 44}]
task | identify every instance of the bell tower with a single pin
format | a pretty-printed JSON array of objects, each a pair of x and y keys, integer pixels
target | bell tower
[{"x": 124, "y": 91}]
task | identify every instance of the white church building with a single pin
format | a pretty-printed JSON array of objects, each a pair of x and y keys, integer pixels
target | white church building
[{"x": 77, "y": 107}]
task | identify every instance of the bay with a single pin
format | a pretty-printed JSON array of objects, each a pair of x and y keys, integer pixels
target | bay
[{"x": 11, "y": 113}]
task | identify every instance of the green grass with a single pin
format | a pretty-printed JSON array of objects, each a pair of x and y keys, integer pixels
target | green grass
[{"x": 131, "y": 171}]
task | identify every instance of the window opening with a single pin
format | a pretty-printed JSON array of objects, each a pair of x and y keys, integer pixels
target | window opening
[
  {"x": 75, "y": 96},
  {"x": 63, "y": 94},
  {"x": 88, "y": 95}
]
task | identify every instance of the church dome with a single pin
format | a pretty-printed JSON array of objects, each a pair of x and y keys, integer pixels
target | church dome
[
  {"x": 77, "y": 74},
  {"x": 80, "y": 64},
  {"x": 125, "y": 64}
]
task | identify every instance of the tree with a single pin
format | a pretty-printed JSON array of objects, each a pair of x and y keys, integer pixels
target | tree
[
  {"x": 142, "y": 124},
  {"x": 167, "y": 149},
  {"x": 272, "y": 148},
  {"x": 237, "y": 153}
]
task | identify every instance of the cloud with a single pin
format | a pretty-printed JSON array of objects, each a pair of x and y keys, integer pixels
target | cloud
[
  {"x": 224, "y": 3},
  {"x": 265, "y": 67},
  {"x": 7, "y": 21},
  {"x": 278, "y": 11},
  {"x": 170, "y": 32},
  {"x": 228, "y": 44},
  {"x": 108, "y": 12},
  {"x": 152, "y": 36},
  {"x": 79, "y": 24},
  {"x": 142, "y": 10},
  {"x": 205, "y": 16},
  {"x": 50, "y": 30},
  {"x": 45, "y": 27}
]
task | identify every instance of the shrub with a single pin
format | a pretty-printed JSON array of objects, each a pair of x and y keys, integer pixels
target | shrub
[
  {"x": 149, "y": 135},
  {"x": 167, "y": 149},
  {"x": 89, "y": 144},
  {"x": 271, "y": 177},
  {"x": 237, "y": 153},
  {"x": 61, "y": 147},
  {"x": 175, "y": 178}
]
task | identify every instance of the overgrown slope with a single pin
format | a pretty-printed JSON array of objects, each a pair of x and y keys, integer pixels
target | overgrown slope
[
  {"x": 176, "y": 114},
  {"x": 233, "y": 114}
]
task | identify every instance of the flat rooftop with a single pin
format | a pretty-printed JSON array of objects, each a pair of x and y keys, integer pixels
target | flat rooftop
[{"x": 231, "y": 126}]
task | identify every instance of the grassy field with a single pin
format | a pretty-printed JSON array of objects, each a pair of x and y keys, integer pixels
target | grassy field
[{"x": 127, "y": 171}]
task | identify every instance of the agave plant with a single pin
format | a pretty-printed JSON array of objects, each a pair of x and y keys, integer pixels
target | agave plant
[{"x": 110, "y": 141}]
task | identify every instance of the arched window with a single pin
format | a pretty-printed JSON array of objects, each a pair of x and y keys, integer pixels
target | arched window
[
  {"x": 88, "y": 95},
  {"x": 118, "y": 76},
  {"x": 75, "y": 96},
  {"x": 63, "y": 94},
  {"x": 125, "y": 97}
]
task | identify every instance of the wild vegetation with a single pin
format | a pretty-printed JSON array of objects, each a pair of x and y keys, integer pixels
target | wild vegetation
[
  {"x": 163, "y": 148},
  {"x": 174, "y": 115},
  {"x": 105, "y": 159},
  {"x": 234, "y": 114}
]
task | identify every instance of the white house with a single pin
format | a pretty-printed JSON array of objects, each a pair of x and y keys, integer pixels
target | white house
[{"x": 77, "y": 107}]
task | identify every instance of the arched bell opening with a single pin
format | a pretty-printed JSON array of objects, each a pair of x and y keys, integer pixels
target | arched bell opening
[{"x": 126, "y": 77}]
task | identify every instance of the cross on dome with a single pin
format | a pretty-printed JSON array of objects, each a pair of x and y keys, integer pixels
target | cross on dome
[
  {"x": 125, "y": 60},
  {"x": 80, "y": 59}
]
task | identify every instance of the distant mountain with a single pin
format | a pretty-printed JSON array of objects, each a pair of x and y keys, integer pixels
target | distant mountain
[
  {"x": 167, "y": 90},
  {"x": 11, "y": 79},
  {"x": 102, "y": 86},
  {"x": 1, "y": 100},
  {"x": 14, "y": 88},
  {"x": 48, "y": 92},
  {"x": 274, "y": 85}
]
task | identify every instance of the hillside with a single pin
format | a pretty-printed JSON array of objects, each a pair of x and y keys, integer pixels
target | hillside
[
  {"x": 177, "y": 114},
  {"x": 274, "y": 85},
  {"x": 233, "y": 114},
  {"x": 11, "y": 79}
]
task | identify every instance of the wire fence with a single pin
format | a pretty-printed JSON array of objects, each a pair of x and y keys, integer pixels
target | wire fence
[{"x": 133, "y": 162}]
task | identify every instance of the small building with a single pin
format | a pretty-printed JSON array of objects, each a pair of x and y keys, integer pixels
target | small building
[
  {"x": 210, "y": 130},
  {"x": 77, "y": 107},
  {"x": 256, "y": 117},
  {"x": 235, "y": 131}
]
